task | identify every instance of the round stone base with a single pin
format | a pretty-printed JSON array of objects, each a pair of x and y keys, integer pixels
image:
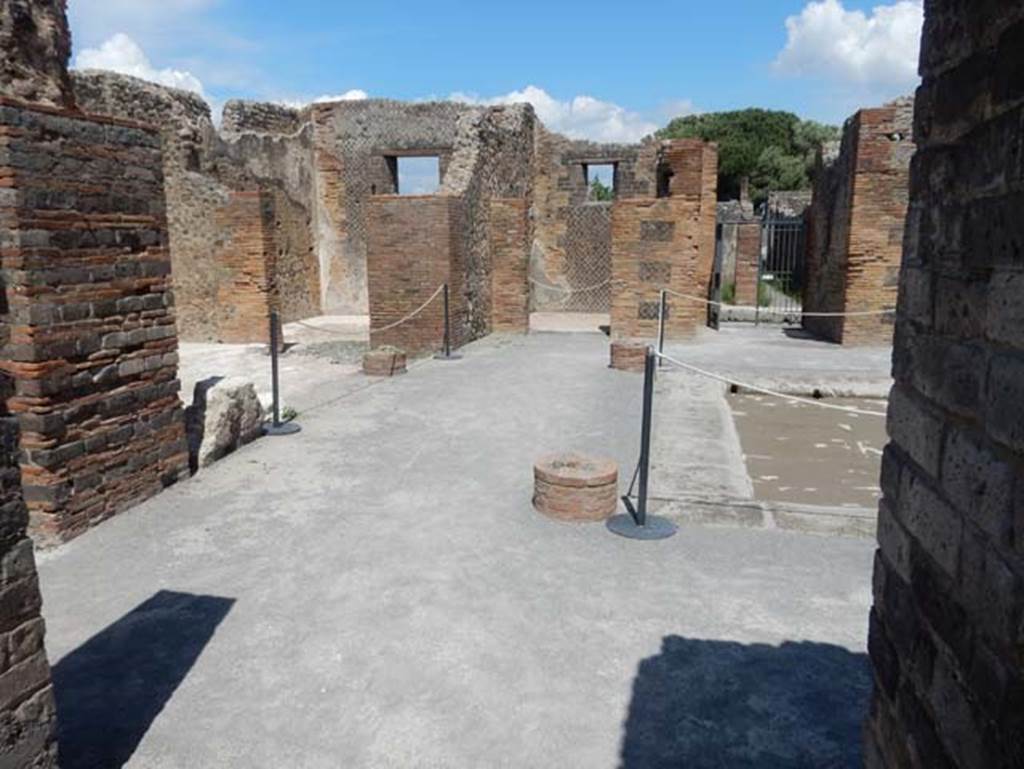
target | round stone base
[
  {"x": 628, "y": 355},
  {"x": 574, "y": 487},
  {"x": 384, "y": 362}
]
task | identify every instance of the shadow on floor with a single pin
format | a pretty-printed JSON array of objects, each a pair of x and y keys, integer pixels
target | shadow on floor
[
  {"x": 110, "y": 689},
  {"x": 723, "y": 705}
]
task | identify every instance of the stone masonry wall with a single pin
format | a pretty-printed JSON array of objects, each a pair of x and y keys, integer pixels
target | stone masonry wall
[
  {"x": 666, "y": 242},
  {"x": 35, "y": 45},
  {"x": 93, "y": 346},
  {"x": 571, "y": 247},
  {"x": 416, "y": 246},
  {"x": 204, "y": 171},
  {"x": 27, "y": 706},
  {"x": 857, "y": 218},
  {"x": 947, "y": 628}
]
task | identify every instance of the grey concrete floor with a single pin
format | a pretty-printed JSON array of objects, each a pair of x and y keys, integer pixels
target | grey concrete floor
[{"x": 377, "y": 591}]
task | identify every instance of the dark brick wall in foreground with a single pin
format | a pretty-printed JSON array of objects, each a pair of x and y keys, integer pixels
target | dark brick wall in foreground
[{"x": 947, "y": 628}]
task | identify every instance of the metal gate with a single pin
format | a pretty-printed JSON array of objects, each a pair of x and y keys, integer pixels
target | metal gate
[{"x": 781, "y": 269}]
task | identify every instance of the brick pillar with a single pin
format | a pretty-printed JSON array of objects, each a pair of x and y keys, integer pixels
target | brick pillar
[
  {"x": 947, "y": 628},
  {"x": 27, "y": 707},
  {"x": 748, "y": 256},
  {"x": 93, "y": 345},
  {"x": 510, "y": 257}
]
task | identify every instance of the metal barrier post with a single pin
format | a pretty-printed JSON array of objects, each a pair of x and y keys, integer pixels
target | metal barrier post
[
  {"x": 277, "y": 427},
  {"x": 662, "y": 309},
  {"x": 446, "y": 350},
  {"x": 637, "y": 524}
]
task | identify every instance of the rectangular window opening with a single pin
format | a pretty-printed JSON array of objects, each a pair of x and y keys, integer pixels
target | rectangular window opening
[
  {"x": 418, "y": 175},
  {"x": 600, "y": 179}
]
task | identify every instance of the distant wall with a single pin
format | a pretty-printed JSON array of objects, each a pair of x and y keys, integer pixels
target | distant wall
[
  {"x": 571, "y": 247},
  {"x": 416, "y": 247},
  {"x": 856, "y": 226},
  {"x": 264, "y": 151},
  {"x": 666, "y": 242}
]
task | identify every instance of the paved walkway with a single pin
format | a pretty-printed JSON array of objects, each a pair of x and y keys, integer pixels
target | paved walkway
[{"x": 378, "y": 592}]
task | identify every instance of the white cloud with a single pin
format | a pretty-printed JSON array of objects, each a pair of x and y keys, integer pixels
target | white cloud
[
  {"x": 122, "y": 54},
  {"x": 582, "y": 117},
  {"x": 355, "y": 94},
  {"x": 96, "y": 19},
  {"x": 878, "y": 49}
]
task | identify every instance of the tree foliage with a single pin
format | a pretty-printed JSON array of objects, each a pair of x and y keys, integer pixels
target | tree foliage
[
  {"x": 600, "y": 191},
  {"x": 774, "y": 150}
]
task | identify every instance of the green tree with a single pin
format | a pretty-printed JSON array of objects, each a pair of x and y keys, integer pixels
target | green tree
[
  {"x": 598, "y": 191},
  {"x": 774, "y": 150}
]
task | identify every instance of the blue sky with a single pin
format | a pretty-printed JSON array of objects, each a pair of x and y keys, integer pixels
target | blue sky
[{"x": 596, "y": 69}]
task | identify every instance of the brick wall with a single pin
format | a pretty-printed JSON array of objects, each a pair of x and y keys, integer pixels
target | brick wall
[
  {"x": 27, "y": 707},
  {"x": 510, "y": 253},
  {"x": 947, "y": 627},
  {"x": 666, "y": 243},
  {"x": 571, "y": 246},
  {"x": 245, "y": 253},
  {"x": 857, "y": 218},
  {"x": 93, "y": 346},
  {"x": 748, "y": 256},
  {"x": 415, "y": 242},
  {"x": 204, "y": 174}
]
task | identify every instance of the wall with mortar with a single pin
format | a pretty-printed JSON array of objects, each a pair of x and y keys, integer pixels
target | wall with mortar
[
  {"x": 947, "y": 628},
  {"x": 416, "y": 246},
  {"x": 35, "y": 45},
  {"x": 510, "y": 255},
  {"x": 265, "y": 151},
  {"x": 666, "y": 242},
  {"x": 352, "y": 141},
  {"x": 571, "y": 247},
  {"x": 856, "y": 226},
  {"x": 27, "y": 704},
  {"x": 93, "y": 346}
]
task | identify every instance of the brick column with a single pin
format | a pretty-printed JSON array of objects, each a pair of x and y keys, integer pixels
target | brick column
[
  {"x": 947, "y": 629},
  {"x": 93, "y": 345},
  {"x": 27, "y": 707},
  {"x": 748, "y": 256}
]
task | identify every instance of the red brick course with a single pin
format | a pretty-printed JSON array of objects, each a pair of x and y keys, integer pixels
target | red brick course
[
  {"x": 748, "y": 257},
  {"x": 384, "y": 363},
  {"x": 573, "y": 487},
  {"x": 93, "y": 345},
  {"x": 666, "y": 243},
  {"x": 510, "y": 256},
  {"x": 628, "y": 354},
  {"x": 414, "y": 246}
]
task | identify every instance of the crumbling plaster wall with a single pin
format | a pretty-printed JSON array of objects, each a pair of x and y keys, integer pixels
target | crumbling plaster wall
[
  {"x": 352, "y": 140},
  {"x": 35, "y": 45},
  {"x": 571, "y": 247}
]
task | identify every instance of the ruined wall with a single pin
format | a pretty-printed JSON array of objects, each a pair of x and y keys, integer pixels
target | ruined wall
[
  {"x": 35, "y": 45},
  {"x": 264, "y": 150},
  {"x": 666, "y": 242},
  {"x": 572, "y": 237},
  {"x": 947, "y": 628},
  {"x": 510, "y": 254},
  {"x": 857, "y": 216},
  {"x": 352, "y": 140},
  {"x": 416, "y": 246},
  {"x": 93, "y": 347}
]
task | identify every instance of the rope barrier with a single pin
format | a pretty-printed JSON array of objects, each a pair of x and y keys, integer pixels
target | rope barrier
[
  {"x": 765, "y": 391},
  {"x": 568, "y": 290},
  {"x": 783, "y": 311},
  {"x": 390, "y": 326}
]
